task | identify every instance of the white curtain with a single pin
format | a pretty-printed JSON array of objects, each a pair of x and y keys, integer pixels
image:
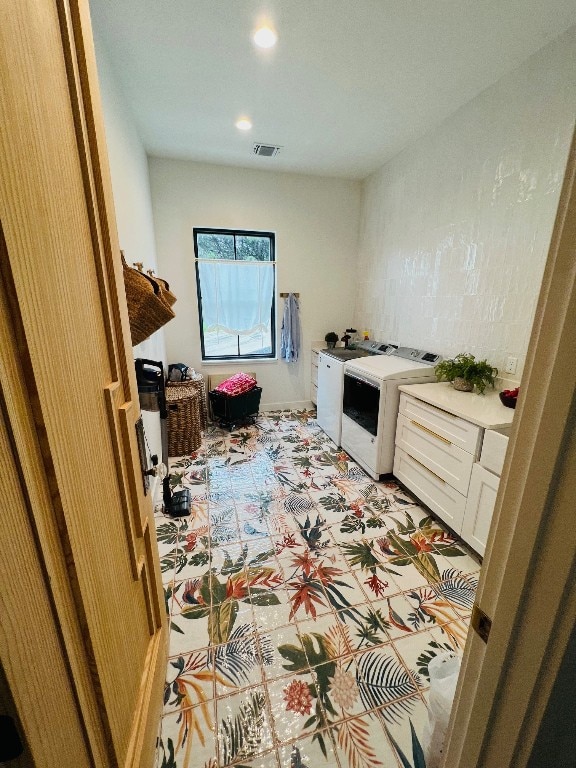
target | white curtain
[{"x": 236, "y": 295}]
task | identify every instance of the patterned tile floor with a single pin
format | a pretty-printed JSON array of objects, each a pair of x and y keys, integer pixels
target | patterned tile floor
[{"x": 305, "y": 604}]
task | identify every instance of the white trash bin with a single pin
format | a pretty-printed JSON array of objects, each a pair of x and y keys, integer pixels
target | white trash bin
[{"x": 443, "y": 670}]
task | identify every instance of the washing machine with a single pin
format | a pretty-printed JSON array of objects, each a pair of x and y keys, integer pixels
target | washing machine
[
  {"x": 331, "y": 382},
  {"x": 370, "y": 403}
]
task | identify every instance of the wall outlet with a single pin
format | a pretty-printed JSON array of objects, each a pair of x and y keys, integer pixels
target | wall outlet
[{"x": 511, "y": 364}]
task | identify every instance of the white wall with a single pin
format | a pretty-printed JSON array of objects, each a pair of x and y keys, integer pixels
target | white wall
[
  {"x": 316, "y": 224},
  {"x": 455, "y": 230},
  {"x": 131, "y": 190}
]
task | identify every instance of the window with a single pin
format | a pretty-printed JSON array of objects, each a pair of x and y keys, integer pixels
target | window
[{"x": 235, "y": 278}]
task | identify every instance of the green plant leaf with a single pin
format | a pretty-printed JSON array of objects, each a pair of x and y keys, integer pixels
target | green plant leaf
[
  {"x": 195, "y": 612},
  {"x": 264, "y": 597},
  {"x": 417, "y": 751},
  {"x": 239, "y": 656},
  {"x": 295, "y": 656},
  {"x": 426, "y": 565},
  {"x": 452, "y": 551},
  {"x": 241, "y": 737},
  {"x": 375, "y": 522},
  {"x": 401, "y": 545},
  {"x": 217, "y": 590},
  {"x": 400, "y": 560},
  {"x": 384, "y": 684},
  {"x": 221, "y": 621},
  {"x": 401, "y": 756},
  {"x": 361, "y": 553},
  {"x": 200, "y": 558}
]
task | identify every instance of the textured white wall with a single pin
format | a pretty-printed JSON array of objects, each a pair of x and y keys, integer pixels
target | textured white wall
[
  {"x": 316, "y": 224},
  {"x": 455, "y": 230},
  {"x": 131, "y": 190}
]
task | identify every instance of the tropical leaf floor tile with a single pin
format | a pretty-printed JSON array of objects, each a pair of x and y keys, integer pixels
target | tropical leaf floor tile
[{"x": 306, "y": 602}]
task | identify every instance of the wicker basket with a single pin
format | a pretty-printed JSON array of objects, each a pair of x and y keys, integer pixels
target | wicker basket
[
  {"x": 194, "y": 383},
  {"x": 184, "y": 416},
  {"x": 147, "y": 309}
]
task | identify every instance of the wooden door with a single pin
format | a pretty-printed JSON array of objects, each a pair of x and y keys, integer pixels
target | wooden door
[{"x": 83, "y": 623}]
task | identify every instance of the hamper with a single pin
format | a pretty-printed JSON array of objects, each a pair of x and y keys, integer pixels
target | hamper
[
  {"x": 230, "y": 410},
  {"x": 183, "y": 404},
  {"x": 194, "y": 382}
]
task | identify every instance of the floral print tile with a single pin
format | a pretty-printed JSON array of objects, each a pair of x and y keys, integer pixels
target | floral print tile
[
  {"x": 295, "y": 705},
  {"x": 189, "y": 681},
  {"x": 361, "y": 743},
  {"x": 399, "y": 728},
  {"x": 317, "y": 751},
  {"x": 187, "y": 738},
  {"x": 237, "y": 664},
  {"x": 278, "y": 612},
  {"x": 364, "y": 626},
  {"x": 189, "y": 631},
  {"x": 305, "y": 602},
  {"x": 243, "y": 726},
  {"x": 284, "y": 643}
]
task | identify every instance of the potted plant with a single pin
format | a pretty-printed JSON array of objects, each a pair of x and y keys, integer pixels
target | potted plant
[
  {"x": 465, "y": 373},
  {"x": 331, "y": 338}
]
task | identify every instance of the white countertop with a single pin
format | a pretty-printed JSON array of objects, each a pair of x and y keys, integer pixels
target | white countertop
[{"x": 484, "y": 410}]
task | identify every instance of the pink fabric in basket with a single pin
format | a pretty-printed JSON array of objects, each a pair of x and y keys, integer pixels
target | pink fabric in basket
[{"x": 236, "y": 385}]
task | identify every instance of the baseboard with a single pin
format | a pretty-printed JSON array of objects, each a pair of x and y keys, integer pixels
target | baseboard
[{"x": 295, "y": 405}]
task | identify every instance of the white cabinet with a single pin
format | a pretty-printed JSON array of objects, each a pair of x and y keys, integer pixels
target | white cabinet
[
  {"x": 479, "y": 508},
  {"x": 483, "y": 489},
  {"x": 314, "y": 374},
  {"x": 432, "y": 490},
  {"x": 451, "y": 464}
]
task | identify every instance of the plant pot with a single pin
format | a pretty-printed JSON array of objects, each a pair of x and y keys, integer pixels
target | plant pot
[
  {"x": 331, "y": 344},
  {"x": 462, "y": 385}
]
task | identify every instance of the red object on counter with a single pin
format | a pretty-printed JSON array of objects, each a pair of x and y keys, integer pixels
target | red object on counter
[{"x": 236, "y": 385}]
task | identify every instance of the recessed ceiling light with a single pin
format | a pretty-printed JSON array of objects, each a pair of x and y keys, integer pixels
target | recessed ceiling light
[
  {"x": 265, "y": 37},
  {"x": 243, "y": 124}
]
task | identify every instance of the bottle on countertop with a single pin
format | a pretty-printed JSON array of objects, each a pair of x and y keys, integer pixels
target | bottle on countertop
[{"x": 353, "y": 337}]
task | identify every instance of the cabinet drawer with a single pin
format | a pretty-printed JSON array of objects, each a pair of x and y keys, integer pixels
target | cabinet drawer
[
  {"x": 457, "y": 431},
  {"x": 479, "y": 508},
  {"x": 494, "y": 449},
  {"x": 440, "y": 456},
  {"x": 442, "y": 499},
  {"x": 314, "y": 393},
  {"x": 314, "y": 374}
]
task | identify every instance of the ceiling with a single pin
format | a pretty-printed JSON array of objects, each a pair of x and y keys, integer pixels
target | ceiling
[{"x": 349, "y": 84}]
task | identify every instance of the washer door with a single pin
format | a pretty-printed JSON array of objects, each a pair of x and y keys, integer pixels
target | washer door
[{"x": 362, "y": 401}]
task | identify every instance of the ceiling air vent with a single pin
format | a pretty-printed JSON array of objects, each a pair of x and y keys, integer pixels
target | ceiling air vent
[{"x": 266, "y": 150}]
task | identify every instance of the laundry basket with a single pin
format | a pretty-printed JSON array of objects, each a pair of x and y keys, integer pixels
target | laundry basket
[
  {"x": 184, "y": 423},
  {"x": 230, "y": 411}
]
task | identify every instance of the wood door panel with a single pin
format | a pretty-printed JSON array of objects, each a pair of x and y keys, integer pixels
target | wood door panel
[
  {"x": 30, "y": 643},
  {"x": 69, "y": 388},
  {"x": 112, "y": 395}
]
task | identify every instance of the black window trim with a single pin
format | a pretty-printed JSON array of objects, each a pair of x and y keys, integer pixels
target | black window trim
[{"x": 236, "y": 232}]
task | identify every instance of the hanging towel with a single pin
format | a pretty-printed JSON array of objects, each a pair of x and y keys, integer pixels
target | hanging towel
[{"x": 290, "y": 337}]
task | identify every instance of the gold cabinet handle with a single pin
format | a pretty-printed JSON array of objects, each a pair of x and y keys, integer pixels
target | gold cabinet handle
[
  {"x": 430, "y": 432},
  {"x": 428, "y": 470}
]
